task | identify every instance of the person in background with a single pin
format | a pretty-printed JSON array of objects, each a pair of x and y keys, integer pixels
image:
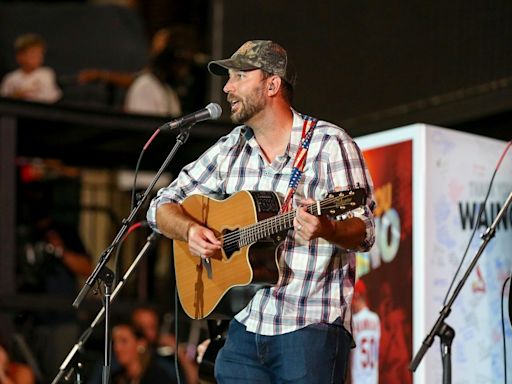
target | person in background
[
  {"x": 154, "y": 91},
  {"x": 365, "y": 357},
  {"x": 124, "y": 79},
  {"x": 298, "y": 330},
  {"x": 133, "y": 353},
  {"x": 12, "y": 372},
  {"x": 147, "y": 320},
  {"x": 393, "y": 350},
  {"x": 189, "y": 80},
  {"x": 31, "y": 81},
  {"x": 52, "y": 259}
]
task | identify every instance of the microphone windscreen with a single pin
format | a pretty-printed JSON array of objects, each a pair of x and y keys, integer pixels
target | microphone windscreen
[{"x": 215, "y": 110}]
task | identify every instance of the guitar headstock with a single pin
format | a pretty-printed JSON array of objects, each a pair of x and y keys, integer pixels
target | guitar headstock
[{"x": 340, "y": 202}]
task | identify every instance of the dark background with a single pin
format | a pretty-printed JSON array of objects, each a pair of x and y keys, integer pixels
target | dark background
[
  {"x": 365, "y": 65},
  {"x": 373, "y": 65}
]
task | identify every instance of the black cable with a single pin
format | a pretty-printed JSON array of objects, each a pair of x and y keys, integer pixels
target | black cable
[
  {"x": 176, "y": 366},
  {"x": 134, "y": 186},
  {"x": 117, "y": 265},
  {"x": 148, "y": 143},
  {"x": 117, "y": 268},
  {"x": 503, "y": 326}
]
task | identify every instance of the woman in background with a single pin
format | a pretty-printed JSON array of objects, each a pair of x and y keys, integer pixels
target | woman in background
[{"x": 134, "y": 355}]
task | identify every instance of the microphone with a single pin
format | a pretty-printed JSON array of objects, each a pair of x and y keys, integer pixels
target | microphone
[{"x": 211, "y": 112}]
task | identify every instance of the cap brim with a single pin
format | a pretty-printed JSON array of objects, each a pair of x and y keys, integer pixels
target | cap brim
[{"x": 221, "y": 67}]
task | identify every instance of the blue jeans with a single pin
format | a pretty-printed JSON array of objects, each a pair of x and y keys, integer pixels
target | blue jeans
[{"x": 315, "y": 354}]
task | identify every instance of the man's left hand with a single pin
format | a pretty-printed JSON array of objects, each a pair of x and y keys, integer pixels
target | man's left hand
[{"x": 309, "y": 227}]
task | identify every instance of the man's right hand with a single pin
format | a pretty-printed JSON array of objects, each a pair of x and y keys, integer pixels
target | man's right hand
[{"x": 202, "y": 241}]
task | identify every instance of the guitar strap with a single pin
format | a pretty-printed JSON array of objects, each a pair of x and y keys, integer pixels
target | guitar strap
[{"x": 299, "y": 162}]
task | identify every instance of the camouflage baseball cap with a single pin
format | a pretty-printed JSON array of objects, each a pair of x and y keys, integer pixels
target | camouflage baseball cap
[{"x": 257, "y": 54}]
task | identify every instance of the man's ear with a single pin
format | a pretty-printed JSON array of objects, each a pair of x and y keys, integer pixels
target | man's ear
[{"x": 274, "y": 85}]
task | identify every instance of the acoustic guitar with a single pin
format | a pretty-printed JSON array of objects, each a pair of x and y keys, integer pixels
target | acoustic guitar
[{"x": 250, "y": 230}]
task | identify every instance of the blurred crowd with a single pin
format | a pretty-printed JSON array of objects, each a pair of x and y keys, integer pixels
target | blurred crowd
[
  {"x": 53, "y": 262},
  {"x": 143, "y": 352},
  {"x": 171, "y": 83}
]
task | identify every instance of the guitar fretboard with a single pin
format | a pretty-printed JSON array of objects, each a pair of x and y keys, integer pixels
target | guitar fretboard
[{"x": 279, "y": 223}]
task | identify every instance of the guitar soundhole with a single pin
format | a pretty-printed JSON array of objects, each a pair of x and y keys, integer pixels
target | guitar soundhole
[{"x": 231, "y": 242}]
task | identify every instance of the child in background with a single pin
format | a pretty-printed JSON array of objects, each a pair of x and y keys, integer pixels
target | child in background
[{"x": 31, "y": 81}]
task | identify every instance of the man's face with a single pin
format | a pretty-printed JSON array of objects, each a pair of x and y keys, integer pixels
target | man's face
[
  {"x": 246, "y": 94},
  {"x": 147, "y": 321}
]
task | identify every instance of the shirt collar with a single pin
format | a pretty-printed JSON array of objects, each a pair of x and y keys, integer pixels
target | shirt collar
[{"x": 295, "y": 135}]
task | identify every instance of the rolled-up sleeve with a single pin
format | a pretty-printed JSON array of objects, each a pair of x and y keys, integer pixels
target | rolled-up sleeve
[
  {"x": 203, "y": 176},
  {"x": 198, "y": 177}
]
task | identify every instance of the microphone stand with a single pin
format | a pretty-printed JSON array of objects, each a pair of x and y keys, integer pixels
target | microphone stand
[
  {"x": 107, "y": 276},
  {"x": 101, "y": 271},
  {"x": 440, "y": 328},
  {"x": 102, "y": 313}
]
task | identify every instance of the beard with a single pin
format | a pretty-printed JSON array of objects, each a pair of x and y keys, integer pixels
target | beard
[{"x": 248, "y": 106}]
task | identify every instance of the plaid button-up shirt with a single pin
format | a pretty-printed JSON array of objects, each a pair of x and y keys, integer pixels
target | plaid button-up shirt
[{"x": 316, "y": 278}]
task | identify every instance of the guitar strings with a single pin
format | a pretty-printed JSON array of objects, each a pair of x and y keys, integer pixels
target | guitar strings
[
  {"x": 252, "y": 233},
  {"x": 239, "y": 238},
  {"x": 285, "y": 218}
]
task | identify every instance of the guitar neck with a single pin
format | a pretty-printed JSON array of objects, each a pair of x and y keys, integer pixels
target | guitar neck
[{"x": 336, "y": 203}]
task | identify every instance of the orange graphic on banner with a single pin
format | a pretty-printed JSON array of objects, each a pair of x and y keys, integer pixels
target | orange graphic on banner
[{"x": 384, "y": 198}]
